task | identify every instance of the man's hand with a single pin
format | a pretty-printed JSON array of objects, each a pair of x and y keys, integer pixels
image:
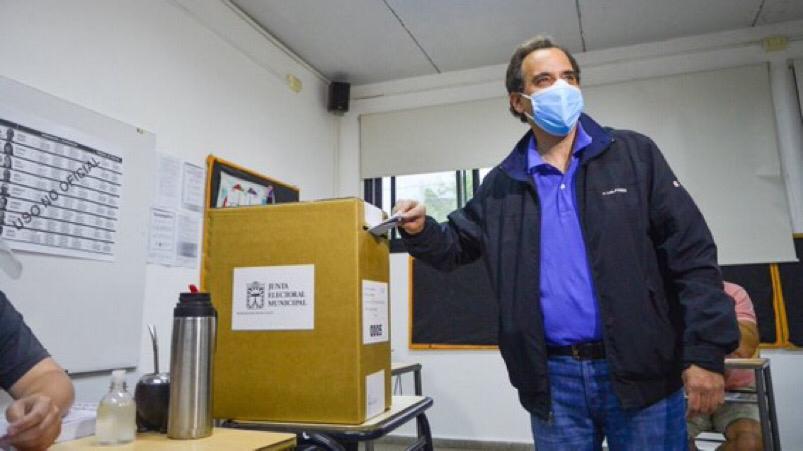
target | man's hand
[
  {"x": 413, "y": 215},
  {"x": 705, "y": 390},
  {"x": 34, "y": 422},
  {"x": 43, "y": 395}
]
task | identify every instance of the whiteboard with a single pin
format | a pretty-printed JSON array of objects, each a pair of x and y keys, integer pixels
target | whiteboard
[{"x": 87, "y": 313}]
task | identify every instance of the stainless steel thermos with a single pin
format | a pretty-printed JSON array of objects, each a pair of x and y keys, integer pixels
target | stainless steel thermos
[{"x": 191, "y": 354}]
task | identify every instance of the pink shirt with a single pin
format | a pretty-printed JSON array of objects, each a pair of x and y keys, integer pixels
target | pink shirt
[{"x": 744, "y": 313}]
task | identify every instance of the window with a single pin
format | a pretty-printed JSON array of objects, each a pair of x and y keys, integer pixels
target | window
[{"x": 437, "y": 191}]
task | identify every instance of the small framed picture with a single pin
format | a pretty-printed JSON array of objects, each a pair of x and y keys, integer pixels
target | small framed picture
[{"x": 229, "y": 185}]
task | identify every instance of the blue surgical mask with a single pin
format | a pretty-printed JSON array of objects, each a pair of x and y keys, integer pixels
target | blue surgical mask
[{"x": 556, "y": 108}]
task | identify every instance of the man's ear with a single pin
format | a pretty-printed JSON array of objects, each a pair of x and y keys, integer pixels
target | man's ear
[{"x": 518, "y": 103}]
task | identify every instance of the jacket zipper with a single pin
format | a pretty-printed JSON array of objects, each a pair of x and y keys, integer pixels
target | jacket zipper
[
  {"x": 583, "y": 170},
  {"x": 534, "y": 189}
]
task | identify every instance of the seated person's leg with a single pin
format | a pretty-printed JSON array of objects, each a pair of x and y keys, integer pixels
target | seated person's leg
[
  {"x": 743, "y": 435},
  {"x": 740, "y": 424}
]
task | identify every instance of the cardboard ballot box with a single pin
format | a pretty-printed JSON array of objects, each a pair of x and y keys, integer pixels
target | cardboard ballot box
[{"x": 301, "y": 291}]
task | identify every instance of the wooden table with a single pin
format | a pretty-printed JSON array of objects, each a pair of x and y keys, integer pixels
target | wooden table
[{"x": 221, "y": 438}]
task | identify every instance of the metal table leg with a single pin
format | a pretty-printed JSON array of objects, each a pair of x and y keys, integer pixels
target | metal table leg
[
  {"x": 422, "y": 424},
  {"x": 776, "y": 437},
  {"x": 417, "y": 376},
  {"x": 761, "y": 392},
  {"x": 316, "y": 441}
]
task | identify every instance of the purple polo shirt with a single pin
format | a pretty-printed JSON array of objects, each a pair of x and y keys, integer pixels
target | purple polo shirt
[{"x": 568, "y": 301}]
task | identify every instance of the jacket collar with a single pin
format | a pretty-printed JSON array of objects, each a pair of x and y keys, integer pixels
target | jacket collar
[{"x": 515, "y": 164}]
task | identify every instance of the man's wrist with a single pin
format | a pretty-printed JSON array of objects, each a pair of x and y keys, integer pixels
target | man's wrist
[
  {"x": 414, "y": 236},
  {"x": 708, "y": 366},
  {"x": 706, "y": 356}
]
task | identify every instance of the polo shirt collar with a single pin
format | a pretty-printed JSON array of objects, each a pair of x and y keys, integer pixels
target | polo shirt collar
[
  {"x": 534, "y": 160},
  {"x": 515, "y": 164}
]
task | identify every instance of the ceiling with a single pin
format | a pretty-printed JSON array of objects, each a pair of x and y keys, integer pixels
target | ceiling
[{"x": 369, "y": 41}]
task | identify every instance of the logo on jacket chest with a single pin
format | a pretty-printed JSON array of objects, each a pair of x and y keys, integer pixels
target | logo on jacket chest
[{"x": 611, "y": 192}]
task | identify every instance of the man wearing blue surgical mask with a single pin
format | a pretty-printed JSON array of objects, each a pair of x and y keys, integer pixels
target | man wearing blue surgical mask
[{"x": 604, "y": 270}]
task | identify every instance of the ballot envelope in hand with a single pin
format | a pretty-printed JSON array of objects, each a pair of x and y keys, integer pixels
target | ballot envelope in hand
[{"x": 383, "y": 227}]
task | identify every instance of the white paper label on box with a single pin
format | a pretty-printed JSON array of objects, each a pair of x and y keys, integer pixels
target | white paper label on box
[
  {"x": 273, "y": 298},
  {"x": 374, "y": 312},
  {"x": 374, "y": 394}
]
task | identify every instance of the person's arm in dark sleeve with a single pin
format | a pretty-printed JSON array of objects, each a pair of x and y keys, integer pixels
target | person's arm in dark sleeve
[
  {"x": 450, "y": 244},
  {"x": 42, "y": 391},
  {"x": 20, "y": 350},
  {"x": 686, "y": 250}
]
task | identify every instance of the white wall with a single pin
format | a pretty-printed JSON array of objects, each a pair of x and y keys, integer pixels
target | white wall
[
  {"x": 155, "y": 65},
  {"x": 473, "y": 398}
]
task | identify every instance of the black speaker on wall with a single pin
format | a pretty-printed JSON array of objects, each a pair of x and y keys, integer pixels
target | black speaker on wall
[{"x": 338, "y": 97}]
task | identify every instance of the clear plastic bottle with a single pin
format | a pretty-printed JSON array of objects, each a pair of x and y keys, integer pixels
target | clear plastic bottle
[{"x": 116, "y": 420}]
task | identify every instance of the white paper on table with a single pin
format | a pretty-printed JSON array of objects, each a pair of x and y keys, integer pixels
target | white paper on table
[
  {"x": 162, "y": 237},
  {"x": 168, "y": 181},
  {"x": 187, "y": 240},
  {"x": 79, "y": 422},
  {"x": 192, "y": 190}
]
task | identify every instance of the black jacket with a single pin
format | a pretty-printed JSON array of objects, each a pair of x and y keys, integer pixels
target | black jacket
[{"x": 653, "y": 262}]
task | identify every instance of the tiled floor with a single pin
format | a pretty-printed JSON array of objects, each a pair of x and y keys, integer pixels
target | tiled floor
[{"x": 379, "y": 446}]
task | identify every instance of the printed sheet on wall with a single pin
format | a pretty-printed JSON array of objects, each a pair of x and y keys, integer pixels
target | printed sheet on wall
[{"x": 59, "y": 190}]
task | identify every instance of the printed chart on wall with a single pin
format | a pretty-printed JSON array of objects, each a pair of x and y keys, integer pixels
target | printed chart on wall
[{"x": 57, "y": 196}]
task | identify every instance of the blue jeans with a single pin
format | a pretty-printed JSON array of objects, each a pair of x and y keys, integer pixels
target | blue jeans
[{"x": 585, "y": 410}]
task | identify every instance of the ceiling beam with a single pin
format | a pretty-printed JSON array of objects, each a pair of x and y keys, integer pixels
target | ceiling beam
[
  {"x": 410, "y": 33},
  {"x": 580, "y": 25},
  {"x": 758, "y": 13}
]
